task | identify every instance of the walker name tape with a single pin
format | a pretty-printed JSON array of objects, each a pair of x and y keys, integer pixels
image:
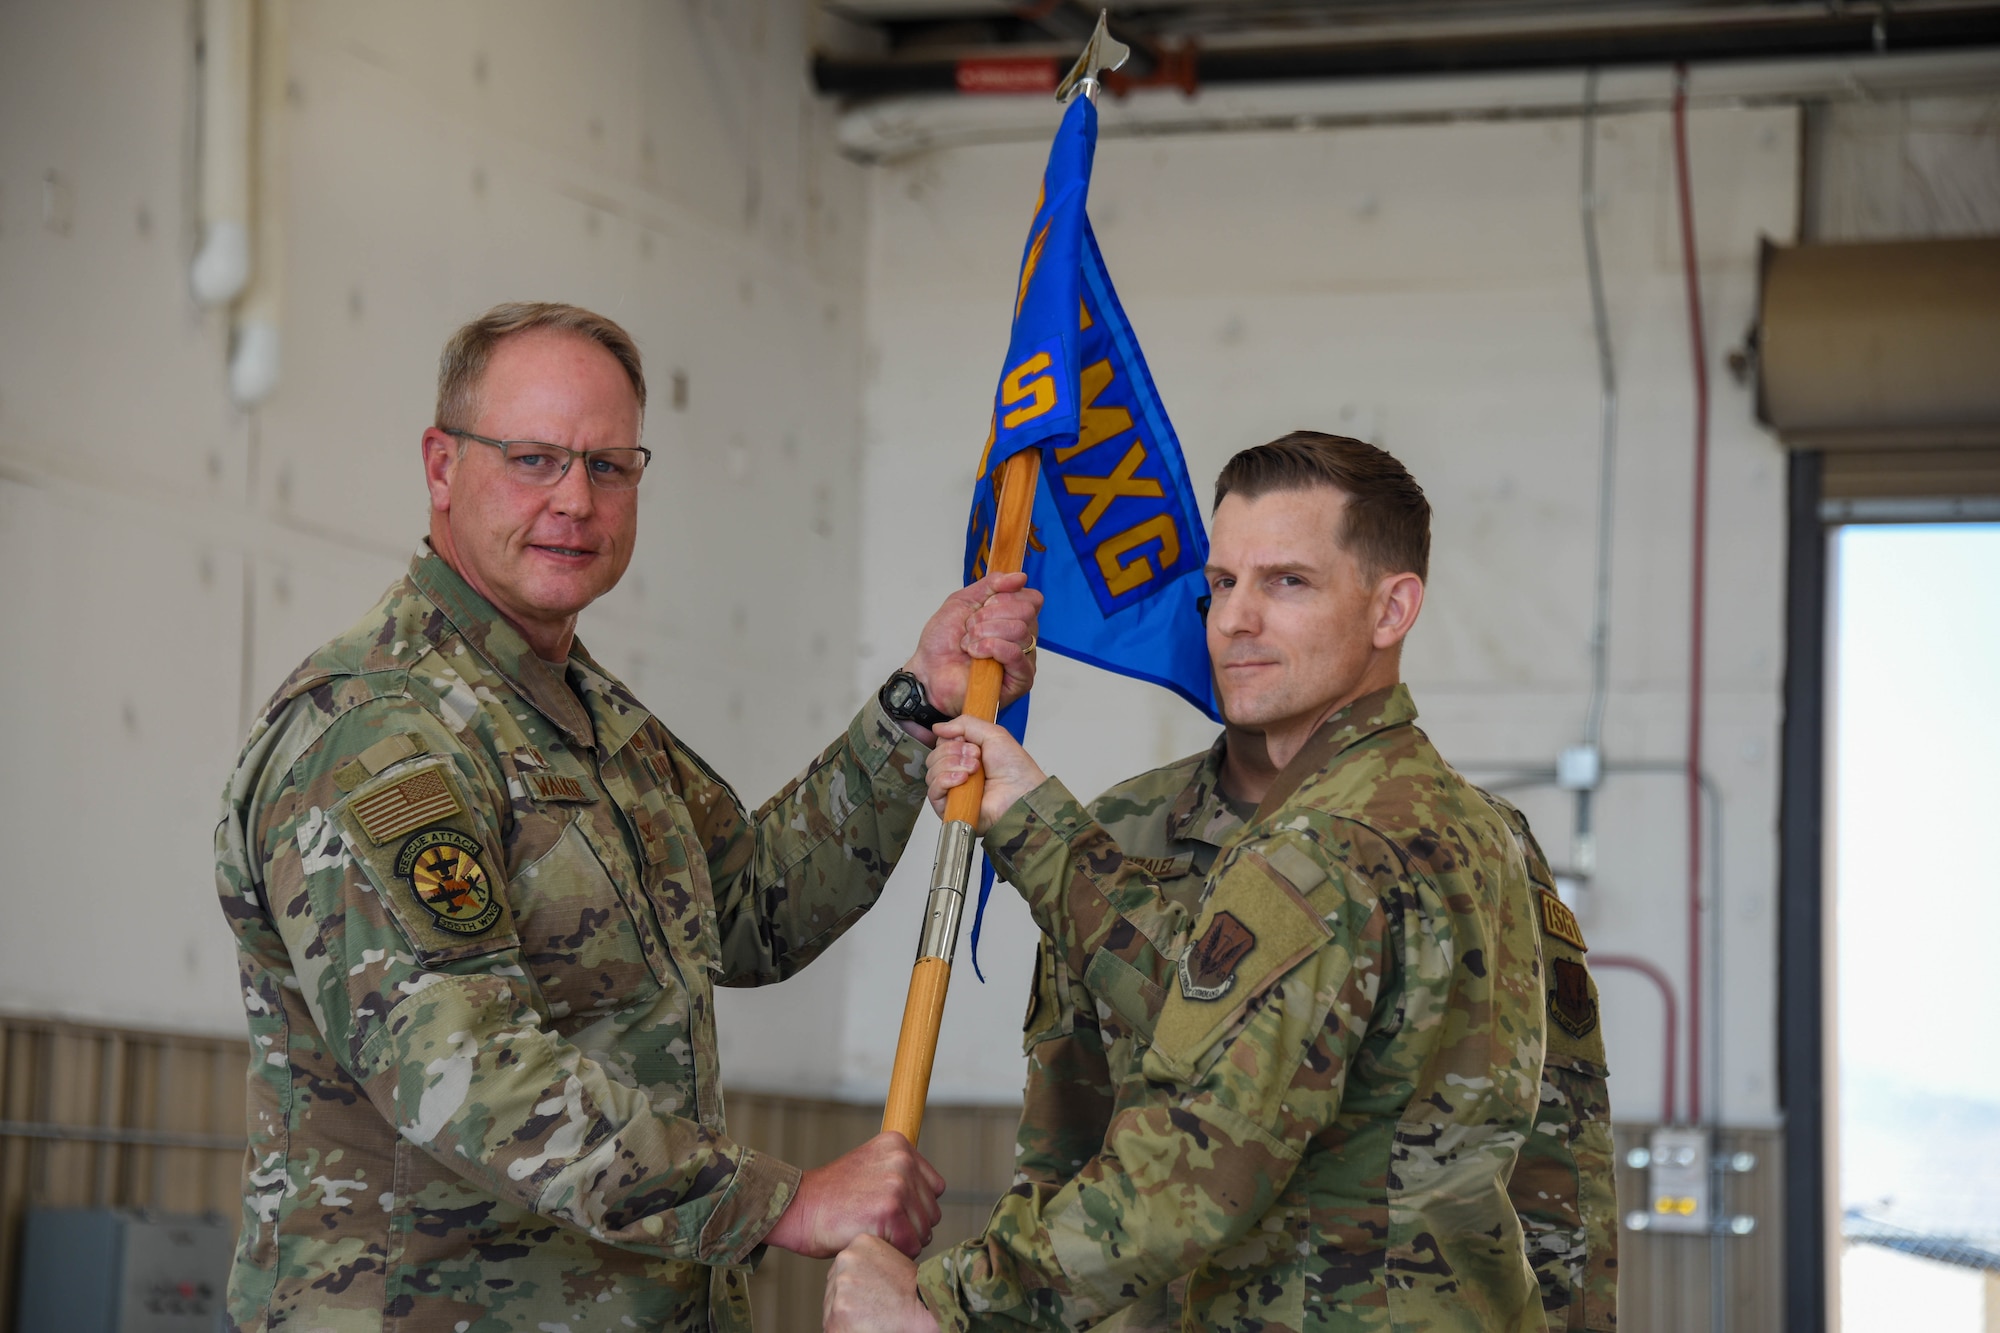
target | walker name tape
[{"x": 556, "y": 787}]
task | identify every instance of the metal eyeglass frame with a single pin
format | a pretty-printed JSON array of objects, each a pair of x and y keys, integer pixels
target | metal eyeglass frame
[{"x": 569, "y": 456}]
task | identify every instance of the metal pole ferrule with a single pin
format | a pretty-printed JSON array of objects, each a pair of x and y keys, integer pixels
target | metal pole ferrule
[{"x": 950, "y": 874}]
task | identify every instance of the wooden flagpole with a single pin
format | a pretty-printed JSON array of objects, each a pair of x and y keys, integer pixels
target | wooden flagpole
[
  {"x": 951, "y": 874},
  {"x": 923, "y": 1012}
]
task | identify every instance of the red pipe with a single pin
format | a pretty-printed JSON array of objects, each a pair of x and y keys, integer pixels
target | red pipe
[
  {"x": 1667, "y": 1003},
  {"x": 1699, "y": 595}
]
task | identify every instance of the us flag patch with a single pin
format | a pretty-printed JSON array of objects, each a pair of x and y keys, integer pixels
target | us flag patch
[{"x": 419, "y": 799}]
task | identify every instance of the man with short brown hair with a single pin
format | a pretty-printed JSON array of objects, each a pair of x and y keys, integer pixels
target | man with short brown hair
[
  {"x": 1189, "y": 1149},
  {"x": 1176, "y": 819},
  {"x": 482, "y": 897}
]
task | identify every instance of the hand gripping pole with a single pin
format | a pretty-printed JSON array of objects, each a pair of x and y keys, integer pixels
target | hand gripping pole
[{"x": 951, "y": 874}]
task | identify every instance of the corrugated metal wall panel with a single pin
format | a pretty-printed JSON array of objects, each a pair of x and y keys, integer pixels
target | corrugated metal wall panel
[{"x": 189, "y": 1090}]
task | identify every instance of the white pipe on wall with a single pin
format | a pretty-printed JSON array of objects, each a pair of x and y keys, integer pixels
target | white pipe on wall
[
  {"x": 222, "y": 267},
  {"x": 254, "y": 359}
]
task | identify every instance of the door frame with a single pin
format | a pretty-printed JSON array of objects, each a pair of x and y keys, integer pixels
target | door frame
[{"x": 1802, "y": 905}]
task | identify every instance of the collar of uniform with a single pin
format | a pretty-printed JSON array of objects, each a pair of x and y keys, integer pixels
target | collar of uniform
[
  {"x": 1373, "y": 712},
  {"x": 614, "y": 710},
  {"x": 494, "y": 639},
  {"x": 1378, "y": 711},
  {"x": 1364, "y": 717},
  {"x": 1199, "y": 813}
]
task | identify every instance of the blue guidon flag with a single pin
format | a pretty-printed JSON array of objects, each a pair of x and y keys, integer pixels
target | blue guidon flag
[{"x": 1117, "y": 546}]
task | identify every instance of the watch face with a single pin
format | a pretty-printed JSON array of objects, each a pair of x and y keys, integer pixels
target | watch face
[{"x": 905, "y": 695}]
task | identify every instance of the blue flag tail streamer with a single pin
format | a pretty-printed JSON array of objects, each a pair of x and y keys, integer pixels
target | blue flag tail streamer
[
  {"x": 1014, "y": 717},
  {"x": 1117, "y": 545}
]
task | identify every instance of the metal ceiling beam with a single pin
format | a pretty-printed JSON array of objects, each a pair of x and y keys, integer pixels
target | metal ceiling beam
[{"x": 1710, "y": 36}]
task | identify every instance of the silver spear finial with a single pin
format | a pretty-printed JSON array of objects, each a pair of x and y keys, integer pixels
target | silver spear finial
[{"x": 1101, "y": 52}]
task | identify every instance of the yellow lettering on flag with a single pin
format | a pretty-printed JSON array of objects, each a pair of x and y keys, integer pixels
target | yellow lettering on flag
[
  {"x": 1015, "y": 387},
  {"x": 1103, "y": 490},
  {"x": 1095, "y": 425},
  {"x": 986, "y": 454},
  {"x": 1122, "y": 577},
  {"x": 1028, "y": 267}
]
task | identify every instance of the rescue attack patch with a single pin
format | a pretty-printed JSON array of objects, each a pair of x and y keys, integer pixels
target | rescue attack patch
[
  {"x": 1208, "y": 966},
  {"x": 1570, "y": 1003},
  {"x": 445, "y": 876},
  {"x": 1559, "y": 921}
]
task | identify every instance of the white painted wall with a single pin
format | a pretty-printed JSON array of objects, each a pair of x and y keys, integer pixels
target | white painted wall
[
  {"x": 1422, "y": 286},
  {"x": 169, "y": 559}
]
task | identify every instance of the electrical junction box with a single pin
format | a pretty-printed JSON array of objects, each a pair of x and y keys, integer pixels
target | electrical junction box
[
  {"x": 1579, "y": 768},
  {"x": 114, "y": 1270},
  {"x": 1679, "y": 1188}
]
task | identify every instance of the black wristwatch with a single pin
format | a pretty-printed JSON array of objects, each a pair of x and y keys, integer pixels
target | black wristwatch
[{"x": 903, "y": 698}]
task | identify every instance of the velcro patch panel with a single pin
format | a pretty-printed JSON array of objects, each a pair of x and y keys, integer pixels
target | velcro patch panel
[
  {"x": 1255, "y": 928},
  {"x": 423, "y": 797}
]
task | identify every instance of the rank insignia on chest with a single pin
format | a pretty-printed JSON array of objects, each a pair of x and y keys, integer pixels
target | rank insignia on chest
[
  {"x": 422, "y": 798},
  {"x": 445, "y": 876},
  {"x": 1559, "y": 921},
  {"x": 1570, "y": 1003},
  {"x": 1208, "y": 966}
]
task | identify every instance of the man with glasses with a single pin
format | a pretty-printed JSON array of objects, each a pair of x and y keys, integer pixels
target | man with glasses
[{"x": 481, "y": 898}]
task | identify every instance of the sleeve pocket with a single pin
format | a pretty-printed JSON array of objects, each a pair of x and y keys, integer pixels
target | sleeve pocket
[
  {"x": 1051, "y": 1001},
  {"x": 412, "y": 831},
  {"x": 1254, "y": 929},
  {"x": 1133, "y": 996}
]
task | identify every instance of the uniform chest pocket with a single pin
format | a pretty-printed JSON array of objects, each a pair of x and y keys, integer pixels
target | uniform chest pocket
[
  {"x": 578, "y": 941},
  {"x": 677, "y": 881},
  {"x": 1133, "y": 999}
]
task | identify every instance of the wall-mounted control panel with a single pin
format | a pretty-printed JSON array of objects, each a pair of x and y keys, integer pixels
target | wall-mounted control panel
[{"x": 114, "y": 1270}]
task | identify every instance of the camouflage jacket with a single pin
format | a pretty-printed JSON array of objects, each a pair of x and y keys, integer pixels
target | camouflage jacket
[
  {"x": 479, "y": 911},
  {"x": 1338, "y": 1060},
  {"x": 1174, "y": 820},
  {"x": 1562, "y": 1187}
]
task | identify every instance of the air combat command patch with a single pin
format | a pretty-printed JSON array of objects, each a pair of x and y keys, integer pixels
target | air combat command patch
[
  {"x": 442, "y": 868},
  {"x": 1208, "y": 966},
  {"x": 1570, "y": 1002}
]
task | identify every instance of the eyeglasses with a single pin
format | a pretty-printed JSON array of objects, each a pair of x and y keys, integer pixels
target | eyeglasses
[{"x": 533, "y": 463}]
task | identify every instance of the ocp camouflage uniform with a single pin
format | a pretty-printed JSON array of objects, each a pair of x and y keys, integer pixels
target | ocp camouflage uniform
[
  {"x": 480, "y": 909},
  {"x": 1173, "y": 821},
  {"x": 1563, "y": 1187},
  {"x": 1341, "y": 1060}
]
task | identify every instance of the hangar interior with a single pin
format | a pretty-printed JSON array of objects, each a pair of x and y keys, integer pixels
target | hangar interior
[{"x": 1461, "y": 229}]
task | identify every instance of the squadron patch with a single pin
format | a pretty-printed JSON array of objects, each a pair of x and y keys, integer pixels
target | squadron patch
[
  {"x": 1208, "y": 967},
  {"x": 1559, "y": 921},
  {"x": 442, "y": 868},
  {"x": 1570, "y": 1003},
  {"x": 422, "y": 798}
]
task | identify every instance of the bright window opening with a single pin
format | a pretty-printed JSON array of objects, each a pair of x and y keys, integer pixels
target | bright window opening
[{"x": 1916, "y": 820}]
